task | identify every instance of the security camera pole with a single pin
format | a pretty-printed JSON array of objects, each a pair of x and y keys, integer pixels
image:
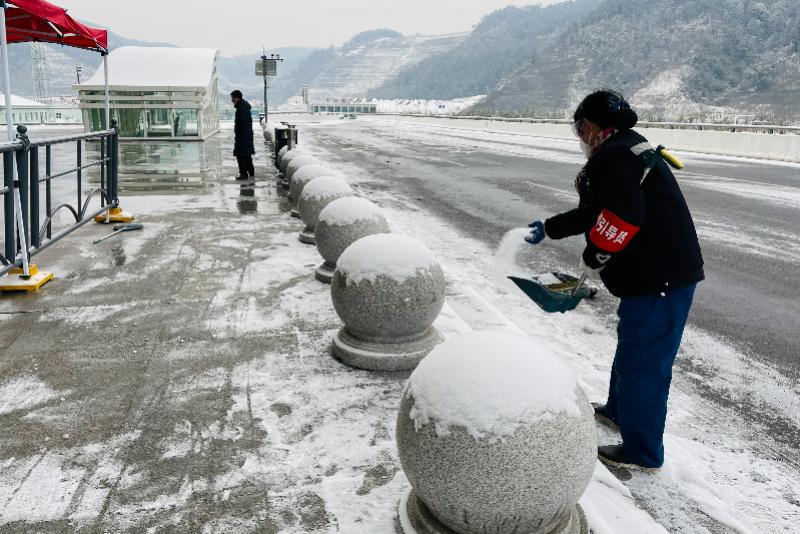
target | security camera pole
[{"x": 268, "y": 68}]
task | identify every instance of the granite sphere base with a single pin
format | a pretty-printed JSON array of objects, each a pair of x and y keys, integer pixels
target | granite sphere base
[
  {"x": 413, "y": 517},
  {"x": 324, "y": 272},
  {"x": 400, "y": 355},
  {"x": 517, "y": 472},
  {"x": 307, "y": 237}
]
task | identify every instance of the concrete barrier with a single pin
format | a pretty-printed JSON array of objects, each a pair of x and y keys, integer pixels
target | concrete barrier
[{"x": 710, "y": 139}]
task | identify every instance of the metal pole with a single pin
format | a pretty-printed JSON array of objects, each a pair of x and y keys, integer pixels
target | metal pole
[
  {"x": 48, "y": 194},
  {"x": 10, "y": 131},
  {"x": 108, "y": 103},
  {"x": 33, "y": 192},
  {"x": 6, "y": 80},
  {"x": 264, "y": 69},
  {"x": 8, "y": 201},
  {"x": 79, "y": 172}
]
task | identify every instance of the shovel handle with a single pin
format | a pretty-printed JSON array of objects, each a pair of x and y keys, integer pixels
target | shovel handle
[{"x": 579, "y": 285}]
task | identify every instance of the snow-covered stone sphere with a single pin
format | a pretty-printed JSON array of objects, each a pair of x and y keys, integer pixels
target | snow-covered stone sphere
[
  {"x": 281, "y": 153},
  {"x": 387, "y": 289},
  {"x": 298, "y": 163},
  {"x": 341, "y": 223},
  {"x": 290, "y": 155},
  {"x": 304, "y": 175},
  {"x": 269, "y": 131},
  {"x": 495, "y": 435},
  {"x": 317, "y": 194}
]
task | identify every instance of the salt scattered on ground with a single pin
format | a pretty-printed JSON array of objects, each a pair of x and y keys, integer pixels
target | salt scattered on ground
[
  {"x": 23, "y": 392},
  {"x": 489, "y": 383}
]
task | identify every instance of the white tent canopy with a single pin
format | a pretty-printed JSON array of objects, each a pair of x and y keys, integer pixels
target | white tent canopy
[{"x": 157, "y": 67}]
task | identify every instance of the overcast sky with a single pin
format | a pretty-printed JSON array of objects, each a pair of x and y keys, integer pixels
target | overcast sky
[{"x": 243, "y": 26}]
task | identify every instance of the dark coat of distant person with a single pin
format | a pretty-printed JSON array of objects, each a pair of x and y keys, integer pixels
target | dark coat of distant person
[{"x": 243, "y": 130}]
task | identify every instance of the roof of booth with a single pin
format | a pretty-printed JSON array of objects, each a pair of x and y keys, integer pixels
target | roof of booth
[
  {"x": 20, "y": 102},
  {"x": 156, "y": 67}
]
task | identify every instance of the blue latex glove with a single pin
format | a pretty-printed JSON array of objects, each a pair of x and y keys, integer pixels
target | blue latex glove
[{"x": 537, "y": 233}]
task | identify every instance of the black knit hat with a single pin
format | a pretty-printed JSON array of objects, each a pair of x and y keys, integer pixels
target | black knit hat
[{"x": 607, "y": 109}]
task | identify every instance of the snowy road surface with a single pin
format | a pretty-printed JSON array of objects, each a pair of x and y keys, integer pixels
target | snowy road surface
[{"x": 737, "y": 377}]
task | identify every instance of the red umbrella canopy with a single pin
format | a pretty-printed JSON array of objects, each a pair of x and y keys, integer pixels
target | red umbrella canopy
[{"x": 37, "y": 20}]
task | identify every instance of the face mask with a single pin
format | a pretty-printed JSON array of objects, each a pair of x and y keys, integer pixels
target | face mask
[{"x": 586, "y": 149}]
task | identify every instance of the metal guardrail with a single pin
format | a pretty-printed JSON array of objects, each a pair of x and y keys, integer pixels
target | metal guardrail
[
  {"x": 753, "y": 128},
  {"x": 38, "y": 224}
]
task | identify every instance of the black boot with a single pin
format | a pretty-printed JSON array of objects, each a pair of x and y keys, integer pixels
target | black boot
[
  {"x": 617, "y": 456},
  {"x": 601, "y": 416}
]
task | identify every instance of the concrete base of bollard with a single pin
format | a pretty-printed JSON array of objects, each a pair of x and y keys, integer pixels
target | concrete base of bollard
[
  {"x": 324, "y": 272},
  {"x": 294, "y": 213},
  {"x": 413, "y": 517},
  {"x": 307, "y": 237},
  {"x": 374, "y": 356}
]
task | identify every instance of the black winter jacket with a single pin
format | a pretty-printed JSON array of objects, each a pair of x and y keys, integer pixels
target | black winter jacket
[
  {"x": 243, "y": 130},
  {"x": 640, "y": 234}
]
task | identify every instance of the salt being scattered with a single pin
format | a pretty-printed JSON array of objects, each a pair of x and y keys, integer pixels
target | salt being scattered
[
  {"x": 395, "y": 256},
  {"x": 348, "y": 210},
  {"x": 489, "y": 383},
  {"x": 504, "y": 263},
  {"x": 326, "y": 186}
]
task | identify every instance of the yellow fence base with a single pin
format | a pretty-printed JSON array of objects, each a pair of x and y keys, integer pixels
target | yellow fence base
[
  {"x": 115, "y": 215},
  {"x": 15, "y": 281}
]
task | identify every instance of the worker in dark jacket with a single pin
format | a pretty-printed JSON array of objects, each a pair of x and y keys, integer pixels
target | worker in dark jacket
[
  {"x": 641, "y": 240},
  {"x": 243, "y": 147}
]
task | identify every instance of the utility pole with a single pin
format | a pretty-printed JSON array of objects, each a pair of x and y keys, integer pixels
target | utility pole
[{"x": 268, "y": 68}]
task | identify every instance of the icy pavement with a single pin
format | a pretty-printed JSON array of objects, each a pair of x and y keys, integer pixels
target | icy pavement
[{"x": 178, "y": 380}]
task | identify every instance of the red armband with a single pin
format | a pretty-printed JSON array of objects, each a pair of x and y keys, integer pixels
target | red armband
[{"x": 611, "y": 233}]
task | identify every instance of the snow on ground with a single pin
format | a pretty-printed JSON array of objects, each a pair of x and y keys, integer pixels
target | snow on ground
[{"x": 711, "y": 469}]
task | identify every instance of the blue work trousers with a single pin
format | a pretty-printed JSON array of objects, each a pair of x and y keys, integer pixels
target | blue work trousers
[{"x": 649, "y": 334}]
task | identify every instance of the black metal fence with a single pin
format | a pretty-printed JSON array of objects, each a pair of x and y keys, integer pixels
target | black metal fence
[{"x": 32, "y": 185}]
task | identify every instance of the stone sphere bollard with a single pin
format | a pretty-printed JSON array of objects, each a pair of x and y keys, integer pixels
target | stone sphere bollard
[
  {"x": 495, "y": 435},
  {"x": 290, "y": 155},
  {"x": 298, "y": 163},
  {"x": 341, "y": 223},
  {"x": 301, "y": 178},
  {"x": 317, "y": 194},
  {"x": 281, "y": 153},
  {"x": 387, "y": 289},
  {"x": 304, "y": 175}
]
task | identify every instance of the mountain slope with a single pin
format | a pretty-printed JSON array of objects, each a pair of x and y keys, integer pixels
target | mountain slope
[
  {"x": 502, "y": 42},
  {"x": 363, "y": 63},
  {"x": 695, "y": 53}
]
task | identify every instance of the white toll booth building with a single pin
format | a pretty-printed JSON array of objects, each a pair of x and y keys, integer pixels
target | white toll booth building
[{"x": 155, "y": 92}]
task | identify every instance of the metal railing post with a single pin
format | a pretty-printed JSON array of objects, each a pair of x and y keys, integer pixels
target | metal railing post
[
  {"x": 103, "y": 167},
  {"x": 80, "y": 174},
  {"x": 22, "y": 184},
  {"x": 114, "y": 174},
  {"x": 48, "y": 193},
  {"x": 8, "y": 207},
  {"x": 33, "y": 233}
]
